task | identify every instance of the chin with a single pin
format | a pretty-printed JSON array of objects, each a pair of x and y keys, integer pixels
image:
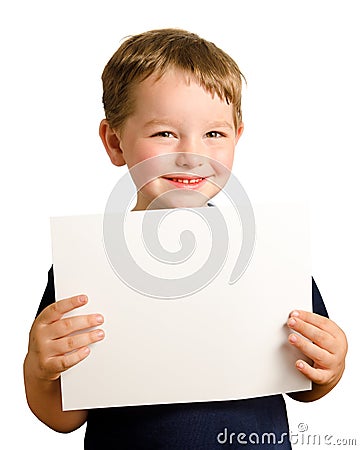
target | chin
[{"x": 175, "y": 199}]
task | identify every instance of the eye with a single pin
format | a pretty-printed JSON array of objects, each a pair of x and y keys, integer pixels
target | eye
[
  {"x": 214, "y": 134},
  {"x": 165, "y": 134}
]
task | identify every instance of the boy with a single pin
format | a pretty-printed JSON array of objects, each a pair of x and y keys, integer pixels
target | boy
[{"x": 169, "y": 91}]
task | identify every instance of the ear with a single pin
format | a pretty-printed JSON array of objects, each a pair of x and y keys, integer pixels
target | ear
[
  {"x": 239, "y": 132},
  {"x": 111, "y": 143}
]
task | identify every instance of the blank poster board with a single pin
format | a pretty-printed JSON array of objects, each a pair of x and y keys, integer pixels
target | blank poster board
[{"x": 223, "y": 342}]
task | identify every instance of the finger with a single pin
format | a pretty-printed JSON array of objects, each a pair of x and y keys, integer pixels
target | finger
[
  {"x": 318, "y": 376},
  {"x": 75, "y": 342},
  {"x": 322, "y": 358},
  {"x": 72, "y": 324},
  {"x": 321, "y": 322},
  {"x": 56, "y": 310},
  {"x": 322, "y": 338},
  {"x": 59, "y": 364}
]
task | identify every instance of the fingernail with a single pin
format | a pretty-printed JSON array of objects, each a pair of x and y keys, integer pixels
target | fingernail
[
  {"x": 295, "y": 314},
  {"x": 82, "y": 298},
  {"x": 99, "y": 318},
  {"x": 100, "y": 334},
  {"x": 293, "y": 338},
  {"x": 291, "y": 322},
  {"x": 300, "y": 365}
]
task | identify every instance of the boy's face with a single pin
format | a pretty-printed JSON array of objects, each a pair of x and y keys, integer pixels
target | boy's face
[{"x": 176, "y": 116}]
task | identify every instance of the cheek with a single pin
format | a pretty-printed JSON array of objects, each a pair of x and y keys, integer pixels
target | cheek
[
  {"x": 228, "y": 161},
  {"x": 225, "y": 158},
  {"x": 144, "y": 152}
]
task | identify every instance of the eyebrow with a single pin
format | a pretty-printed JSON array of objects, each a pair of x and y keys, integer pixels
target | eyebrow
[
  {"x": 166, "y": 122},
  {"x": 153, "y": 122},
  {"x": 224, "y": 124}
]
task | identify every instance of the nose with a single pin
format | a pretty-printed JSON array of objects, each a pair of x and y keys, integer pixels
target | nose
[{"x": 189, "y": 160}]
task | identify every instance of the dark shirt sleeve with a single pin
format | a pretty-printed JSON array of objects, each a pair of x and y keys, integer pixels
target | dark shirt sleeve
[
  {"x": 49, "y": 293},
  {"x": 317, "y": 301}
]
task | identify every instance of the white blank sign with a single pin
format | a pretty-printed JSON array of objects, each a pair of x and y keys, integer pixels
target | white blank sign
[{"x": 222, "y": 342}]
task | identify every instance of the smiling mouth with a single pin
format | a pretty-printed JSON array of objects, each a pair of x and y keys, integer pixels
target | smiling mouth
[{"x": 188, "y": 182}]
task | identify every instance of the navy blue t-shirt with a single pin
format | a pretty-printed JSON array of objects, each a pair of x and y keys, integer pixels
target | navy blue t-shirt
[{"x": 190, "y": 426}]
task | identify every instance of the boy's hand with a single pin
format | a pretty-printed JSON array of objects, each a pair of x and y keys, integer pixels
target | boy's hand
[
  {"x": 325, "y": 345},
  {"x": 53, "y": 346}
]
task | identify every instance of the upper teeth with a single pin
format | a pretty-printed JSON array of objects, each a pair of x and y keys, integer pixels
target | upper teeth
[{"x": 186, "y": 180}]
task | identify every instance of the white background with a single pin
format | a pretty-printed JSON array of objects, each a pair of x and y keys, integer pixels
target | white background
[{"x": 301, "y": 140}]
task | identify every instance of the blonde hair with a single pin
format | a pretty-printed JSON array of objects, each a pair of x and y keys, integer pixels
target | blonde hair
[{"x": 156, "y": 51}]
